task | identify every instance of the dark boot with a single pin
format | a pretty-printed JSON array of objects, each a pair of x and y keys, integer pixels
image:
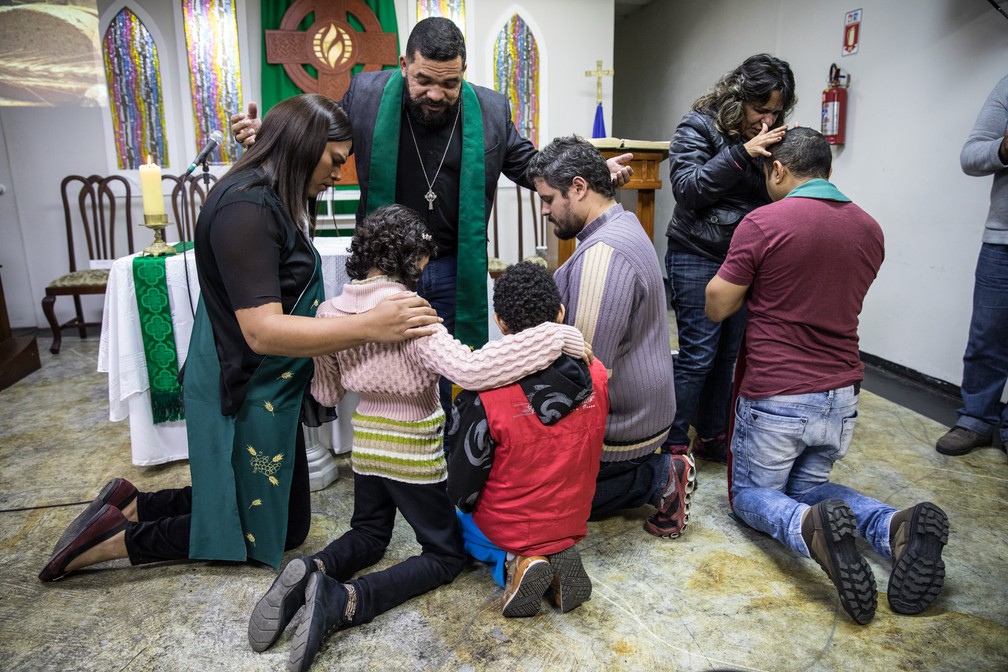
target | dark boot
[
  {"x": 329, "y": 605},
  {"x": 277, "y": 607},
  {"x": 917, "y": 536},
  {"x": 828, "y": 530}
]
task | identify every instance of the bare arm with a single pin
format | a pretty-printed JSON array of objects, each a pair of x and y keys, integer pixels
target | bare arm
[
  {"x": 268, "y": 331},
  {"x": 723, "y": 299}
]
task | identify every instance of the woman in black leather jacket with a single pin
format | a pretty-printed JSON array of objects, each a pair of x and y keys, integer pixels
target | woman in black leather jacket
[{"x": 716, "y": 179}]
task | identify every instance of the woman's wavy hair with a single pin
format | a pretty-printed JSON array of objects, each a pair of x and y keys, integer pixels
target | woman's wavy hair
[
  {"x": 392, "y": 239},
  {"x": 289, "y": 145},
  {"x": 752, "y": 82}
]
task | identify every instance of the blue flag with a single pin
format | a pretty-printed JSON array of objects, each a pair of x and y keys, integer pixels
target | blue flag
[{"x": 598, "y": 130}]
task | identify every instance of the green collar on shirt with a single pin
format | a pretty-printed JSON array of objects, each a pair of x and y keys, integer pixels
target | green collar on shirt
[{"x": 818, "y": 188}]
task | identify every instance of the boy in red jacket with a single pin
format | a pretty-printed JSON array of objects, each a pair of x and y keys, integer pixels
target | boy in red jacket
[{"x": 523, "y": 459}]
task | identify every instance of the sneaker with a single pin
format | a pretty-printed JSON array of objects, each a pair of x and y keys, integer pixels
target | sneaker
[
  {"x": 571, "y": 585},
  {"x": 917, "y": 536},
  {"x": 670, "y": 519},
  {"x": 274, "y": 610},
  {"x": 326, "y": 604},
  {"x": 675, "y": 448},
  {"x": 528, "y": 578},
  {"x": 711, "y": 450},
  {"x": 828, "y": 530},
  {"x": 959, "y": 441}
]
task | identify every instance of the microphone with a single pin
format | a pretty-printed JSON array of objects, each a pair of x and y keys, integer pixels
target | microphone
[{"x": 216, "y": 138}]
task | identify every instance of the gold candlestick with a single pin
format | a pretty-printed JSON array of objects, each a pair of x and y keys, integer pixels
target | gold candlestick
[{"x": 159, "y": 247}]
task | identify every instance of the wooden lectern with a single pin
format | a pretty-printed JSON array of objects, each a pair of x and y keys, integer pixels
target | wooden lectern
[
  {"x": 19, "y": 355},
  {"x": 645, "y": 180}
]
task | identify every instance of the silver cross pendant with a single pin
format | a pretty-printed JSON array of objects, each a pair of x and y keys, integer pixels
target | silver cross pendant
[{"x": 430, "y": 196}]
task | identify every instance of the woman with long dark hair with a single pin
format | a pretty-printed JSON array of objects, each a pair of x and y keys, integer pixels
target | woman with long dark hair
[
  {"x": 249, "y": 362},
  {"x": 715, "y": 162}
]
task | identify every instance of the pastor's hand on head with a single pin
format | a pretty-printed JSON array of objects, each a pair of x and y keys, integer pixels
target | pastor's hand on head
[
  {"x": 619, "y": 169},
  {"x": 245, "y": 125}
]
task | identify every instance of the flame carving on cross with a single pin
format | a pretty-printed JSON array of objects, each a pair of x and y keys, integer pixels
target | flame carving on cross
[{"x": 330, "y": 45}]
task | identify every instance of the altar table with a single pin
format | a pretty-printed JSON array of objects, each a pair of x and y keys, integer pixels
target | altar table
[{"x": 121, "y": 356}]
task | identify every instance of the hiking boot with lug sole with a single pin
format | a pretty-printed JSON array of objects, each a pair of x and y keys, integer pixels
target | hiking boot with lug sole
[
  {"x": 917, "y": 536},
  {"x": 828, "y": 530}
]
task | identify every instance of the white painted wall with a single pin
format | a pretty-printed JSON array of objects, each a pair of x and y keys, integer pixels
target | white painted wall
[
  {"x": 918, "y": 81},
  {"x": 43, "y": 145}
]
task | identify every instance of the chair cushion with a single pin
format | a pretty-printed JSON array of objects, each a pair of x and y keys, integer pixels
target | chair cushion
[{"x": 88, "y": 278}]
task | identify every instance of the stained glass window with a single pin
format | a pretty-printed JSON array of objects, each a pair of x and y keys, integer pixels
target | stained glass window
[
  {"x": 133, "y": 73},
  {"x": 516, "y": 75},
  {"x": 211, "y": 32},
  {"x": 450, "y": 9}
]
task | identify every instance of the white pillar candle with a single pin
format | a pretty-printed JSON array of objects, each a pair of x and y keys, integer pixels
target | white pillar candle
[{"x": 150, "y": 187}]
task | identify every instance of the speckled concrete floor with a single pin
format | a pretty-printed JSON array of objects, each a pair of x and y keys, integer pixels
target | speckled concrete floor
[{"x": 722, "y": 596}]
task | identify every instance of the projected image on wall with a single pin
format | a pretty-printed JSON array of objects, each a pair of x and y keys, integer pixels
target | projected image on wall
[{"x": 50, "y": 54}]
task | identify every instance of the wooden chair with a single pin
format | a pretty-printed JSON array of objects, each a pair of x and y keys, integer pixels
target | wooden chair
[
  {"x": 538, "y": 225},
  {"x": 187, "y": 197},
  {"x": 90, "y": 207}
]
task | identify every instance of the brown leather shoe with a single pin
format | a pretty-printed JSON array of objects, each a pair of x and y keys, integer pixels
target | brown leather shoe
[
  {"x": 917, "y": 536},
  {"x": 108, "y": 522},
  {"x": 528, "y": 578},
  {"x": 828, "y": 530},
  {"x": 960, "y": 441}
]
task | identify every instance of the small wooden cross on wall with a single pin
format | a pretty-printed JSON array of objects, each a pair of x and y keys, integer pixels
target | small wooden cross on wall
[{"x": 598, "y": 73}]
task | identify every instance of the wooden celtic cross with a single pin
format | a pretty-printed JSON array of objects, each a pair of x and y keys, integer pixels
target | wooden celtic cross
[{"x": 330, "y": 45}]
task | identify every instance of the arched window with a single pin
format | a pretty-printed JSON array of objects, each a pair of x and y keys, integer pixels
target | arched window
[
  {"x": 449, "y": 9},
  {"x": 136, "y": 102},
  {"x": 211, "y": 33},
  {"x": 516, "y": 74}
]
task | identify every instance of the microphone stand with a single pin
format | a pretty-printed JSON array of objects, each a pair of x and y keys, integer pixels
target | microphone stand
[{"x": 206, "y": 179}]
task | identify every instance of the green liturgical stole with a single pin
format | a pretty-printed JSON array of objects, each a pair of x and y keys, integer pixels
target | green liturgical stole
[
  {"x": 158, "y": 335},
  {"x": 471, "y": 313}
]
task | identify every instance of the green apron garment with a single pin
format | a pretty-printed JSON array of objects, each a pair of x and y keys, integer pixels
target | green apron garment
[
  {"x": 471, "y": 311},
  {"x": 242, "y": 465}
]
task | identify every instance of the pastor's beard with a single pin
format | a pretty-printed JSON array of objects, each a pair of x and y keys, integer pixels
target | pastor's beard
[{"x": 435, "y": 118}]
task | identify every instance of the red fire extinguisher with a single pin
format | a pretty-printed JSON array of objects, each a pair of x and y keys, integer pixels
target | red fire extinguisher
[{"x": 834, "y": 107}]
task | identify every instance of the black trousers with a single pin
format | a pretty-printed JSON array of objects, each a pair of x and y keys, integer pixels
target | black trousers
[
  {"x": 162, "y": 532},
  {"x": 431, "y": 515},
  {"x": 627, "y": 485}
]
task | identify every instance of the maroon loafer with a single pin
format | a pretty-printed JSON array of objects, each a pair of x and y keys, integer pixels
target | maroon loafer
[
  {"x": 106, "y": 523},
  {"x": 118, "y": 492}
]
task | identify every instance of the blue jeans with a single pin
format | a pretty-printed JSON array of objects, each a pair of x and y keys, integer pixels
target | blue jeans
[
  {"x": 783, "y": 451},
  {"x": 985, "y": 364},
  {"x": 437, "y": 285},
  {"x": 707, "y": 350}
]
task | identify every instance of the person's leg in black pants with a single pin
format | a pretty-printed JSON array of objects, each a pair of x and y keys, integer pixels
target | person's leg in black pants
[
  {"x": 432, "y": 516},
  {"x": 370, "y": 530},
  {"x": 628, "y": 484}
]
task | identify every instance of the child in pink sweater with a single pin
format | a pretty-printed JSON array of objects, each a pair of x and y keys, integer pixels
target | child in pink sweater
[{"x": 398, "y": 458}]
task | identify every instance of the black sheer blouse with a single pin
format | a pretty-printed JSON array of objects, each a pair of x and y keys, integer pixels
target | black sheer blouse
[{"x": 249, "y": 253}]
